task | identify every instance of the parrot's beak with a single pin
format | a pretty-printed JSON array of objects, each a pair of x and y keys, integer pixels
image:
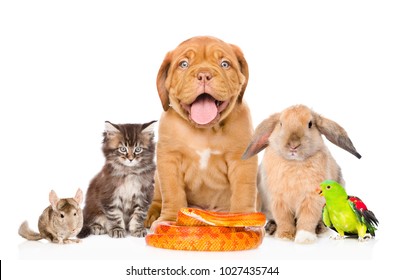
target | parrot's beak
[{"x": 319, "y": 191}]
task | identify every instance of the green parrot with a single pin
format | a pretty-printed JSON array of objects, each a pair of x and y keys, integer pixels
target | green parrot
[{"x": 345, "y": 214}]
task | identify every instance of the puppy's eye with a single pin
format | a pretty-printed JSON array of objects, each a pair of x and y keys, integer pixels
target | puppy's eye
[
  {"x": 122, "y": 150},
  {"x": 184, "y": 64},
  {"x": 310, "y": 124},
  {"x": 225, "y": 64}
]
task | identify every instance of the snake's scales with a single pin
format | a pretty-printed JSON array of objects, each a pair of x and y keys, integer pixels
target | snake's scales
[{"x": 201, "y": 230}]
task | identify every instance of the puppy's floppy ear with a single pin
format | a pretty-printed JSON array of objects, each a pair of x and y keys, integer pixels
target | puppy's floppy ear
[
  {"x": 335, "y": 134},
  {"x": 243, "y": 68},
  {"x": 261, "y": 136},
  {"x": 161, "y": 80}
]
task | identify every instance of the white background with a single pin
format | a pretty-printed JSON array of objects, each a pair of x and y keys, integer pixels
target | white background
[{"x": 68, "y": 66}]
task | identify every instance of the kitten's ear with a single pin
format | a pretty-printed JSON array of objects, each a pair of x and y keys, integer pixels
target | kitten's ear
[
  {"x": 149, "y": 127},
  {"x": 110, "y": 128}
]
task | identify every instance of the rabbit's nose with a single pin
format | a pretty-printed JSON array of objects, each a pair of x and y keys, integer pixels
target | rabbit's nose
[{"x": 294, "y": 146}]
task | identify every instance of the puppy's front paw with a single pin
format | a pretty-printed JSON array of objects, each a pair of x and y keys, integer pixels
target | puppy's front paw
[
  {"x": 152, "y": 215},
  {"x": 305, "y": 237}
]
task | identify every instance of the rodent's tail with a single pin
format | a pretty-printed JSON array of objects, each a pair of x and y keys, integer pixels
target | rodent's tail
[
  {"x": 28, "y": 233},
  {"x": 85, "y": 231}
]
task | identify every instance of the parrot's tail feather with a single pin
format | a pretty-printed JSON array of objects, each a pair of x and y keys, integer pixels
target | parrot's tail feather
[{"x": 370, "y": 218}]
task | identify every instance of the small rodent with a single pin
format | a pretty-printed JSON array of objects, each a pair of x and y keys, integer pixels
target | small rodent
[{"x": 59, "y": 222}]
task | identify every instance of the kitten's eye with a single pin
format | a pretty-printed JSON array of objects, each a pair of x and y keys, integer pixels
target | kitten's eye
[
  {"x": 225, "y": 64},
  {"x": 62, "y": 216},
  {"x": 123, "y": 150},
  {"x": 138, "y": 150},
  {"x": 184, "y": 64}
]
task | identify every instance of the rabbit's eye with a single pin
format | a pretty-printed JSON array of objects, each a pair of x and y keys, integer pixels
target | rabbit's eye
[
  {"x": 310, "y": 124},
  {"x": 62, "y": 216}
]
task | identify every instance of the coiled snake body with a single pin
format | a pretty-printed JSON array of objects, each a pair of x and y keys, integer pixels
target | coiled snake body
[{"x": 201, "y": 230}]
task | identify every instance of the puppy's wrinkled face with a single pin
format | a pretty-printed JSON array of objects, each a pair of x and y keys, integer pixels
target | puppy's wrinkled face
[{"x": 205, "y": 79}]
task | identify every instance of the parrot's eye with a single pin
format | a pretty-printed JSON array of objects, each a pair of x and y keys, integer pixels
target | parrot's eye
[
  {"x": 328, "y": 187},
  {"x": 310, "y": 124}
]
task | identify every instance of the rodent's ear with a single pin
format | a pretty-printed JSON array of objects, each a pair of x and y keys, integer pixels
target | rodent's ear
[
  {"x": 261, "y": 136},
  {"x": 335, "y": 134},
  {"x": 161, "y": 81},
  {"x": 53, "y": 199},
  {"x": 79, "y": 196}
]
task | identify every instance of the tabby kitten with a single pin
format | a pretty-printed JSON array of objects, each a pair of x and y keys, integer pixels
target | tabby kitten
[{"x": 119, "y": 197}]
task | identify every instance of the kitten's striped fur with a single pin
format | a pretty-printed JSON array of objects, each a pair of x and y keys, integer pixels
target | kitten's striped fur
[{"x": 119, "y": 197}]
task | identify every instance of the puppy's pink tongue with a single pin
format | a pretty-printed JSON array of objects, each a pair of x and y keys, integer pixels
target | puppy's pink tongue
[{"x": 204, "y": 109}]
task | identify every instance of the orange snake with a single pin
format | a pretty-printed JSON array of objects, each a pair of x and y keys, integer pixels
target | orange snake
[{"x": 201, "y": 230}]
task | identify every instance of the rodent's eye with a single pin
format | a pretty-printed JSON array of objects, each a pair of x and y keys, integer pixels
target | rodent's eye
[
  {"x": 310, "y": 124},
  {"x": 122, "y": 150},
  {"x": 225, "y": 64},
  {"x": 328, "y": 187},
  {"x": 62, "y": 216},
  {"x": 184, "y": 64},
  {"x": 75, "y": 214},
  {"x": 138, "y": 150}
]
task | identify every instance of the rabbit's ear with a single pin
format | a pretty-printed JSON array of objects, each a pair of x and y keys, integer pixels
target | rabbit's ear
[
  {"x": 335, "y": 134},
  {"x": 261, "y": 136}
]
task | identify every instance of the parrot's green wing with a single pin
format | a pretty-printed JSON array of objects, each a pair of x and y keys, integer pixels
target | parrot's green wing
[{"x": 326, "y": 218}]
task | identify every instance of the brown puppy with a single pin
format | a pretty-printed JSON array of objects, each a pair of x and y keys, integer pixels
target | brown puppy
[{"x": 203, "y": 132}]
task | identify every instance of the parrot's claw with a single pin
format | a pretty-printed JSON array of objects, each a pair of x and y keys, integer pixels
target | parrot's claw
[
  {"x": 366, "y": 237},
  {"x": 337, "y": 237}
]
